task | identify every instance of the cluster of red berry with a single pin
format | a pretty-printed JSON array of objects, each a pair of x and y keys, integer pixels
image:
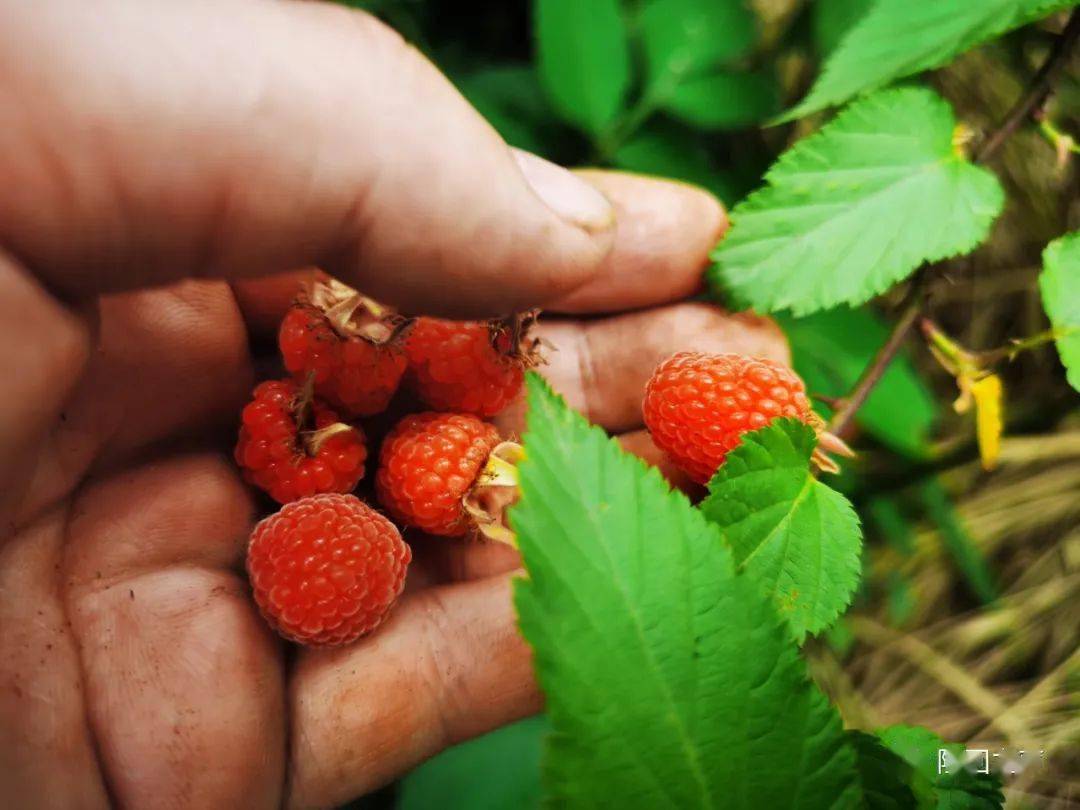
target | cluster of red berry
[{"x": 327, "y": 568}]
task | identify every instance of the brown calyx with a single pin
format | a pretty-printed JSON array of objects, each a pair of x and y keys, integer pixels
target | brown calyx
[
  {"x": 494, "y": 492},
  {"x": 352, "y": 314},
  {"x": 510, "y": 337},
  {"x": 311, "y": 438}
]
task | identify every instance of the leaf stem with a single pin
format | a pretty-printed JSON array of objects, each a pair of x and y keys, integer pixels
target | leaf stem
[
  {"x": 1037, "y": 91},
  {"x": 1031, "y": 101},
  {"x": 843, "y": 420}
]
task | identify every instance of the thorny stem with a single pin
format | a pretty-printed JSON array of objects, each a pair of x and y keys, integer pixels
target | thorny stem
[{"x": 1030, "y": 102}]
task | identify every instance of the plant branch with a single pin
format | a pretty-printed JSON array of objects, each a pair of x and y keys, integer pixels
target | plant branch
[
  {"x": 842, "y": 421},
  {"x": 1037, "y": 91},
  {"x": 1030, "y": 102}
]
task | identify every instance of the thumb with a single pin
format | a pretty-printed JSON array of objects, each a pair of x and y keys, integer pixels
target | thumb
[{"x": 144, "y": 142}]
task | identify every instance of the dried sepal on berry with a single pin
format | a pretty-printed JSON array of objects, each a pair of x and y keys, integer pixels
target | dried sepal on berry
[
  {"x": 350, "y": 343},
  {"x": 512, "y": 337},
  {"x": 494, "y": 491},
  {"x": 475, "y": 367},
  {"x": 353, "y": 314}
]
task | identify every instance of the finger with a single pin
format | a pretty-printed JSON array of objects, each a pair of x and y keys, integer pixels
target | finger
[
  {"x": 664, "y": 232},
  {"x": 448, "y": 665},
  {"x": 47, "y": 349},
  {"x": 640, "y": 443},
  {"x": 439, "y": 560},
  {"x": 263, "y": 301},
  {"x": 47, "y": 752},
  {"x": 277, "y": 135},
  {"x": 601, "y": 366},
  {"x": 167, "y": 363}
]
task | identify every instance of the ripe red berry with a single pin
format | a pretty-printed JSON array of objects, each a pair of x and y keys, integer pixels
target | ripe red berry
[
  {"x": 468, "y": 366},
  {"x": 350, "y": 344},
  {"x": 428, "y": 464},
  {"x": 325, "y": 570},
  {"x": 698, "y": 405},
  {"x": 278, "y": 455}
]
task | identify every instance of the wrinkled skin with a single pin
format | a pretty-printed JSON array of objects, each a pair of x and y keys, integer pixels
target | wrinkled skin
[{"x": 142, "y": 144}]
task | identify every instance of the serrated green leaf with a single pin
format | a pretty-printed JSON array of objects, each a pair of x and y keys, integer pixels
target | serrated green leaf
[
  {"x": 498, "y": 770},
  {"x": 685, "y": 37},
  {"x": 898, "y": 38},
  {"x": 885, "y": 776},
  {"x": 856, "y": 207},
  {"x": 724, "y": 100},
  {"x": 832, "y": 348},
  {"x": 953, "y": 789},
  {"x": 668, "y": 150},
  {"x": 583, "y": 58},
  {"x": 798, "y": 538},
  {"x": 918, "y": 747},
  {"x": 670, "y": 681},
  {"x": 1059, "y": 283}
]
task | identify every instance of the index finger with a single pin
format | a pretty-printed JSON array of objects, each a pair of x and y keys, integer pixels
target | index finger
[{"x": 664, "y": 231}]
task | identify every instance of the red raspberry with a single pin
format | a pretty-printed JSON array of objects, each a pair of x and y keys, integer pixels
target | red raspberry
[
  {"x": 428, "y": 464},
  {"x": 468, "y": 366},
  {"x": 287, "y": 462},
  {"x": 325, "y": 570},
  {"x": 350, "y": 344},
  {"x": 697, "y": 406}
]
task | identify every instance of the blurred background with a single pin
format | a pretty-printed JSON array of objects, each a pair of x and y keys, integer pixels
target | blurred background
[{"x": 969, "y": 616}]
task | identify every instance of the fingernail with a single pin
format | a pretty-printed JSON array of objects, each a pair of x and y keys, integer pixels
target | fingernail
[{"x": 574, "y": 200}]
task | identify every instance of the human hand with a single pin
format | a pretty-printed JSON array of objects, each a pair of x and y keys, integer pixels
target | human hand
[{"x": 144, "y": 144}]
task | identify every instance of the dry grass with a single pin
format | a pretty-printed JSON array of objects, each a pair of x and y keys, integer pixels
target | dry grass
[{"x": 1003, "y": 675}]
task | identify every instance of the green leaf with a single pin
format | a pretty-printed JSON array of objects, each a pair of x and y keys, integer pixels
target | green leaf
[
  {"x": 797, "y": 537},
  {"x": 885, "y": 777},
  {"x": 583, "y": 58},
  {"x": 498, "y": 770},
  {"x": 670, "y": 681},
  {"x": 856, "y": 207},
  {"x": 511, "y": 99},
  {"x": 832, "y": 348},
  {"x": 1060, "y": 286},
  {"x": 898, "y": 38},
  {"x": 685, "y": 37},
  {"x": 954, "y": 789},
  {"x": 724, "y": 100},
  {"x": 667, "y": 150},
  {"x": 832, "y": 19}
]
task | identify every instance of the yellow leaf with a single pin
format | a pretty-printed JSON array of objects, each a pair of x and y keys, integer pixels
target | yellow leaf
[{"x": 988, "y": 422}]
